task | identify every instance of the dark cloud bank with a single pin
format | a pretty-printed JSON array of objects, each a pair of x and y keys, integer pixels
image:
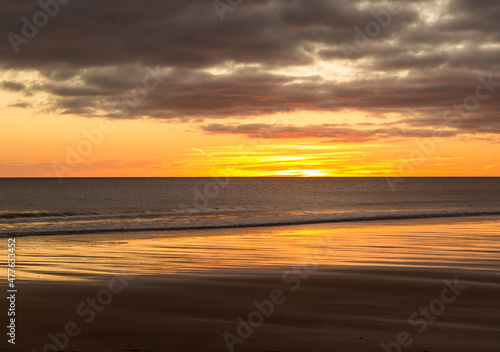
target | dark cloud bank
[{"x": 91, "y": 54}]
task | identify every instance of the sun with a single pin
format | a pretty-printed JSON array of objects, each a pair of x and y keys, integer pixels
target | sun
[{"x": 301, "y": 173}]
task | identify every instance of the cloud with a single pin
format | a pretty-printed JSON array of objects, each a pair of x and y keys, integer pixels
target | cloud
[
  {"x": 12, "y": 86},
  {"x": 53, "y": 169},
  {"x": 93, "y": 54},
  {"x": 329, "y": 132}
]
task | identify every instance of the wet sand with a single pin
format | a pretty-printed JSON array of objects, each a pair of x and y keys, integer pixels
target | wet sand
[
  {"x": 298, "y": 288},
  {"x": 341, "y": 310}
]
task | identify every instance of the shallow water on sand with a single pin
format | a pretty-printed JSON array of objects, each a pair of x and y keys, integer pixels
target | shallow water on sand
[{"x": 472, "y": 243}]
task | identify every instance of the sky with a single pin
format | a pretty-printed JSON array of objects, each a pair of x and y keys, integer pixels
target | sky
[{"x": 249, "y": 88}]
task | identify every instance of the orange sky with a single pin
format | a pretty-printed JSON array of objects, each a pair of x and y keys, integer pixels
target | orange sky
[
  {"x": 270, "y": 88},
  {"x": 38, "y": 145}
]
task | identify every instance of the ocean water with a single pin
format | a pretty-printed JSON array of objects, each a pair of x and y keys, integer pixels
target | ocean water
[{"x": 31, "y": 207}]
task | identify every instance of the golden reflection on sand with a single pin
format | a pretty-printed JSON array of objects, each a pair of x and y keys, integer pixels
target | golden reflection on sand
[{"x": 457, "y": 243}]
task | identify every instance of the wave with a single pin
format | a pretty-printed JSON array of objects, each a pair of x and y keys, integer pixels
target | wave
[
  {"x": 256, "y": 220},
  {"x": 41, "y": 214},
  {"x": 106, "y": 213}
]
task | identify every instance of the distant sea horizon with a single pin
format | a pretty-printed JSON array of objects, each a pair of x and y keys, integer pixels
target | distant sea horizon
[{"x": 49, "y": 206}]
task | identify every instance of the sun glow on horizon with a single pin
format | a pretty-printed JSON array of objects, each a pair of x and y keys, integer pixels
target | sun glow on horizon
[
  {"x": 146, "y": 148},
  {"x": 301, "y": 173}
]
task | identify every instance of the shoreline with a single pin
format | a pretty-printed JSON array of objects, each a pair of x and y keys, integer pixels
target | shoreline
[
  {"x": 422, "y": 243},
  {"x": 465, "y": 215},
  {"x": 200, "y": 291}
]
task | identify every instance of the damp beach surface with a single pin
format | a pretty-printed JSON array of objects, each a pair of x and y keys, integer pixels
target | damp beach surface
[{"x": 412, "y": 285}]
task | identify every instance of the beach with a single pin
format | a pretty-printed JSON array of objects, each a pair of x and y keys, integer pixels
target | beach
[
  {"x": 324, "y": 287},
  {"x": 250, "y": 176},
  {"x": 345, "y": 311}
]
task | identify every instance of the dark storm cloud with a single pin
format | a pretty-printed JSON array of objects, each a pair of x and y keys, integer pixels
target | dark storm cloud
[
  {"x": 331, "y": 132},
  {"x": 92, "y": 54},
  {"x": 182, "y": 92},
  {"x": 177, "y": 32},
  {"x": 479, "y": 16},
  {"x": 12, "y": 86},
  {"x": 196, "y": 93}
]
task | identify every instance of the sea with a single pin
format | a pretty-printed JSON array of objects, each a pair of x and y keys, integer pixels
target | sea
[{"x": 45, "y": 206}]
